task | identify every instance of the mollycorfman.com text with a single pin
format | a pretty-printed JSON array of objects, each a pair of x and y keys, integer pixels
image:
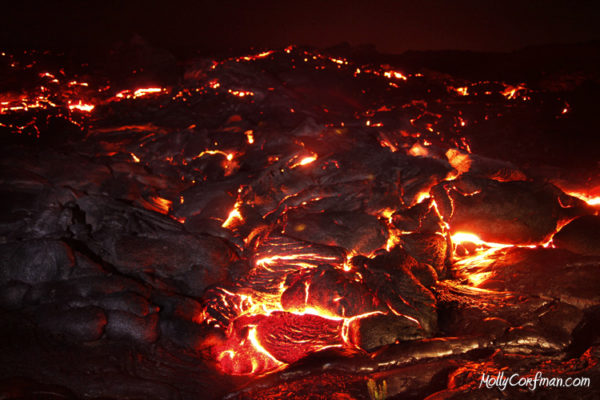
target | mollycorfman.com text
[{"x": 502, "y": 381}]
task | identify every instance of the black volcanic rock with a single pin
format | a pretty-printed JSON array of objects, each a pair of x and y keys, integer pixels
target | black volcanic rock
[
  {"x": 582, "y": 236},
  {"x": 191, "y": 263},
  {"x": 503, "y": 212},
  {"x": 390, "y": 278},
  {"x": 428, "y": 248},
  {"x": 35, "y": 261},
  {"x": 376, "y": 330},
  {"x": 287, "y": 216},
  {"x": 84, "y": 324},
  {"x": 361, "y": 232},
  {"x": 550, "y": 273}
]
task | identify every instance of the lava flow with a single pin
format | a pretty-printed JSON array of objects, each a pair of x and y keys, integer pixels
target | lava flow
[
  {"x": 272, "y": 210},
  {"x": 290, "y": 312}
]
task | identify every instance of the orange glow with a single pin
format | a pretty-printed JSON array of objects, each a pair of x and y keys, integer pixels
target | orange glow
[
  {"x": 240, "y": 93},
  {"x": 249, "y": 136},
  {"x": 25, "y": 103},
  {"x": 161, "y": 205},
  {"x": 144, "y": 92},
  {"x": 299, "y": 260},
  {"x": 510, "y": 92},
  {"x": 417, "y": 150},
  {"x": 445, "y": 227},
  {"x": 463, "y": 237},
  {"x": 394, "y": 74},
  {"x": 304, "y": 161},
  {"x": 75, "y": 83},
  {"x": 229, "y": 164},
  {"x": 260, "y": 316},
  {"x": 387, "y": 214},
  {"x": 478, "y": 278},
  {"x": 393, "y": 238},
  {"x": 245, "y": 353},
  {"x": 338, "y": 61},
  {"x": 47, "y": 75},
  {"x": 460, "y": 161},
  {"x": 257, "y": 56},
  {"x": 264, "y": 54},
  {"x": 246, "y": 356},
  {"x": 258, "y": 346},
  {"x": 470, "y": 267},
  {"x": 422, "y": 197},
  {"x": 81, "y": 107},
  {"x": 234, "y": 215},
  {"x": 228, "y": 156},
  {"x": 307, "y": 160},
  {"x": 128, "y": 94},
  {"x": 463, "y": 91},
  {"x": 589, "y": 199},
  {"x": 285, "y": 284},
  {"x": 386, "y": 143}
]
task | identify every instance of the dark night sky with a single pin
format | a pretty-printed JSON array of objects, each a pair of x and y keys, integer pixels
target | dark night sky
[{"x": 209, "y": 26}]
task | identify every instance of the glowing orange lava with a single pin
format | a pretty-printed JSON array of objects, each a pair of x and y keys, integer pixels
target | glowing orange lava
[
  {"x": 240, "y": 93},
  {"x": 417, "y": 150},
  {"x": 233, "y": 217},
  {"x": 161, "y": 205},
  {"x": 136, "y": 94},
  {"x": 249, "y": 136},
  {"x": 135, "y": 158},
  {"x": 228, "y": 156},
  {"x": 81, "y": 106},
  {"x": 511, "y": 92},
  {"x": 589, "y": 199},
  {"x": 465, "y": 237},
  {"x": 304, "y": 161},
  {"x": 260, "y": 334}
]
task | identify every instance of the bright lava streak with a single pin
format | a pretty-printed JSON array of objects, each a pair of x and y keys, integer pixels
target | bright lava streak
[
  {"x": 304, "y": 161},
  {"x": 128, "y": 94},
  {"x": 590, "y": 200},
  {"x": 161, "y": 205},
  {"x": 307, "y": 160},
  {"x": 233, "y": 215},
  {"x": 250, "y": 136},
  {"x": 462, "y": 237},
  {"x": 81, "y": 107}
]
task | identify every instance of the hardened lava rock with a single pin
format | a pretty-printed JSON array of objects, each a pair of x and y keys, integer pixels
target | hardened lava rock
[
  {"x": 520, "y": 212},
  {"x": 581, "y": 236},
  {"x": 548, "y": 273},
  {"x": 279, "y": 225},
  {"x": 361, "y": 232}
]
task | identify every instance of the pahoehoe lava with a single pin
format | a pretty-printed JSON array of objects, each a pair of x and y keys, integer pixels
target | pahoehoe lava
[{"x": 294, "y": 223}]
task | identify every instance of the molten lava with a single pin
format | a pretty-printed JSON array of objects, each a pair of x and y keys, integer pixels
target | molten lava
[{"x": 300, "y": 297}]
